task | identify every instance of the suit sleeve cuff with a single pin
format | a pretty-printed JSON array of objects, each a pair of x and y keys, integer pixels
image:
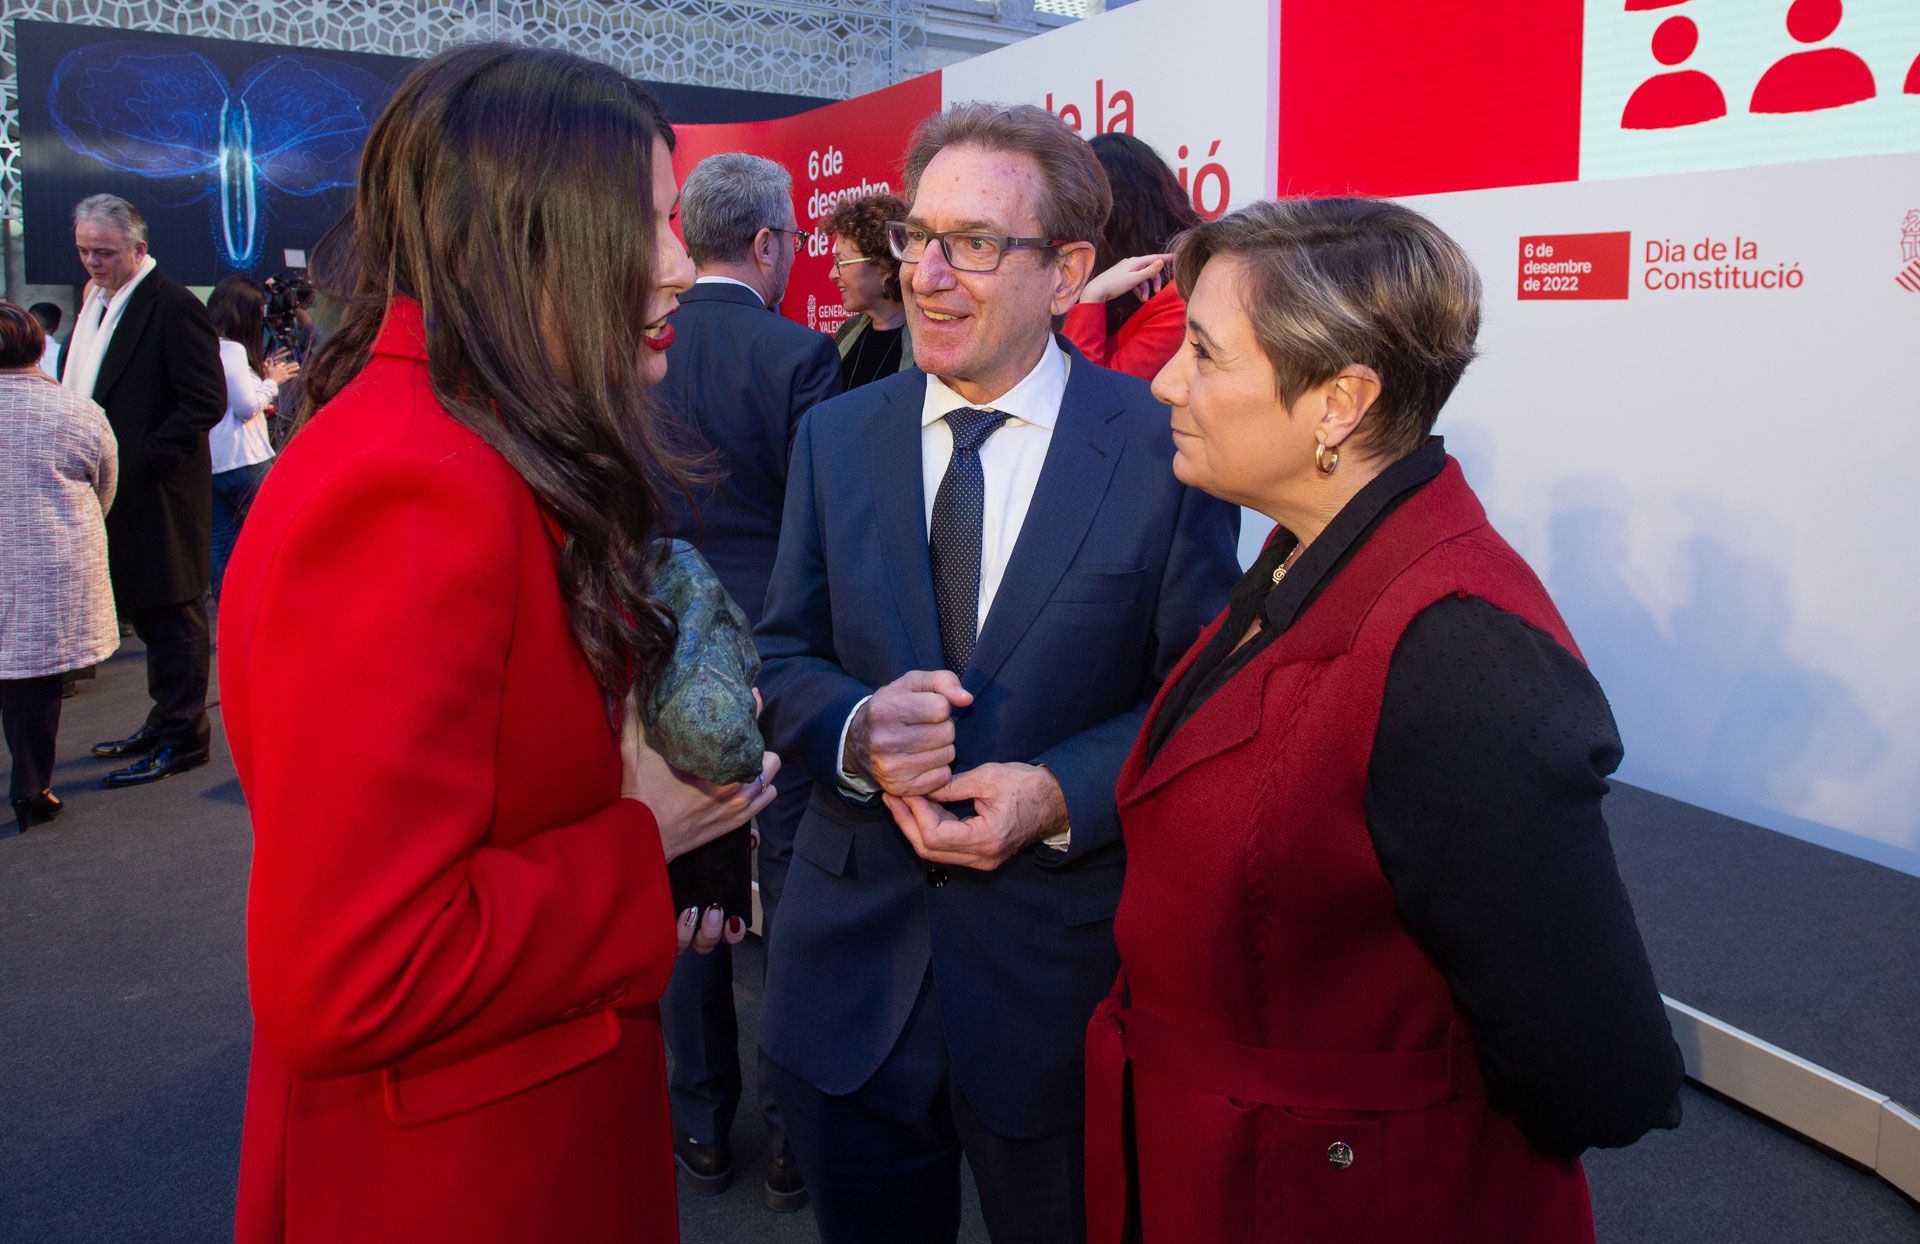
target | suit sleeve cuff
[{"x": 852, "y": 784}]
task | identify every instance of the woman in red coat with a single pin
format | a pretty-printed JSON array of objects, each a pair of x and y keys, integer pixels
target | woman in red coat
[
  {"x": 1380, "y": 980},
  {"x": 459, "y": 918},
  {"x": 1131, "y": 317}
]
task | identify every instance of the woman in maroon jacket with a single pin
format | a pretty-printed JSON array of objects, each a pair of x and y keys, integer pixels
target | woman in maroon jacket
[
  {"x": 459, "y": 920},
  {"x": 1380, "y": 979}
]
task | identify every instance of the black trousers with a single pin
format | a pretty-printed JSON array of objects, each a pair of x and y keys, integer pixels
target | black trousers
[
  {"x": 178, "y": 655},
  {"x": 30, "y": 715},
  {"x": 882, "y": 1164},
  {"x": 696, "y": 1012}
]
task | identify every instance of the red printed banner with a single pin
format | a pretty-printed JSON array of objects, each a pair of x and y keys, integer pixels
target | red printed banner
[
  {"x": 1558, "y": 267},
  {"x": 849, "y": 148}
]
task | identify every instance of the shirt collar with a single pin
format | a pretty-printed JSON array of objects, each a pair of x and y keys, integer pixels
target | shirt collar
[
  {"x": 1036, "y": 399},
  {"x": 728, "y": 280}
]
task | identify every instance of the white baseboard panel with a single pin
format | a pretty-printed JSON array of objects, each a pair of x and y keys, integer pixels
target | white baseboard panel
[{"x": 1851, "y": 1119}]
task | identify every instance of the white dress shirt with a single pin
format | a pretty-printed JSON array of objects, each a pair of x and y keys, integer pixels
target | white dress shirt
[
  {"x": 1010, "y": 462},
  {"x": 93, "y": 331},
  {"x": 50, "y": 358}
]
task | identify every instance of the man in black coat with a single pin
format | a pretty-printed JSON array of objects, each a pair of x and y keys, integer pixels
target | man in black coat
[
  {"x": 144, "y": 349},
  {"x": 739, "y": 378}
]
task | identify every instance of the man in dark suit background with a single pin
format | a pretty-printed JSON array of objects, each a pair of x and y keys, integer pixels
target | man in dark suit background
[
  {"x": 144, "y": 349},
  {"x": 739, "y": 376},
  {"x": 986, "y": 568}
]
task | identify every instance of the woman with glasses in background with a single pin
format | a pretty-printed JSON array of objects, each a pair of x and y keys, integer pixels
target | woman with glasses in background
[{"x": 874, "y": 342}]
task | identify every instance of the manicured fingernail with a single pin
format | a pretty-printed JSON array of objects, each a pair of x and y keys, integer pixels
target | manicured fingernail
[{"x": 734, "y": 925}]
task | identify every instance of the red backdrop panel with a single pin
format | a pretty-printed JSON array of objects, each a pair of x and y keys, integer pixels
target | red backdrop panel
[
  {"x": 1397, "y": 97},
  {"x": 844, "y": 148}
]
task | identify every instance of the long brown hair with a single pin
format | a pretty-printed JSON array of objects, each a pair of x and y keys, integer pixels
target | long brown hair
[
  {"x": 1149, "y": 211},
  {"x": 238, "y": 309},
  {"x": 509, "y": 191}
]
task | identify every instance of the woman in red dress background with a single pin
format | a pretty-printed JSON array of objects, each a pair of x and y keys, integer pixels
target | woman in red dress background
[
  {"x": 433, "y": 625},
  {"x": 1130, "y": 316}
]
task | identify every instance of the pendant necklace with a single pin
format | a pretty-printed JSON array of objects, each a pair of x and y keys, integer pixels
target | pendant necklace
[{"x": 1286, "y": 564}]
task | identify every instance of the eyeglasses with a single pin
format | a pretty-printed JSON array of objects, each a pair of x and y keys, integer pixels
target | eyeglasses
[
  {"x": 964, "y": 249},
  {"x": 799, "y": 236},
  {"x": 839, "y": 263}
]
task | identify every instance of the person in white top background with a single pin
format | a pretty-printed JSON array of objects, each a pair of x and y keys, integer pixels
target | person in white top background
[
  {"x": 49, "y": 317},
  {"x": 239, "y": 443}
]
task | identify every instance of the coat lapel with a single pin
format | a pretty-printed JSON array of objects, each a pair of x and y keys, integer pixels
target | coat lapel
[
  {"x": 1441, "y": 511},
  {"x": 894, "y": 432},
  {"x": 1073, "y": 481},
  {"x": 1229, "y": 718},
  {"x": 126, "y": 336}
]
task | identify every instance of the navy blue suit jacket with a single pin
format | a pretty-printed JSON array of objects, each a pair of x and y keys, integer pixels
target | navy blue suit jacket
[
  {"x": 739, "y": 378},
  {"x": 1116, "y": 568}
]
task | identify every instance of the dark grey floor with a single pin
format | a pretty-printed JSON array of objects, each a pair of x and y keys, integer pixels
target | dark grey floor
[{"x": 123, "y": 1017}]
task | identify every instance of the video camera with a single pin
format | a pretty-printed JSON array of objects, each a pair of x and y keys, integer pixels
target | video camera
[{"x": 289, "y": 294}]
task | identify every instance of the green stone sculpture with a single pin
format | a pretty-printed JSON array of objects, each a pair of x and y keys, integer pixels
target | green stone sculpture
[{"x": 701, "y": 717}]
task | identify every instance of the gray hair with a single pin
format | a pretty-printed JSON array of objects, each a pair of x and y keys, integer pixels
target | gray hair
[
  {"x": 729, "y": 198},
  {"x": 113, "y": 210}
]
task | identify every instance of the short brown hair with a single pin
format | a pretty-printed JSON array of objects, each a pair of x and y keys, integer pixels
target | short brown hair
[
  {"x": 1338, "y": 281},
  {"x": 1075, "y": 198},
  {"x": 863, "y": 222},
  {"x": 22, "y": 340}
]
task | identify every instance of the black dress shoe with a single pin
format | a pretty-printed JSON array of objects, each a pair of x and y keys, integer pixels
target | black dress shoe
[
  {"x": 784, "y": 1192},
  {"x": 139, "y": 743},
  {"x": 163, "y": 762},
  {"x": 38, "y": 810},
  {"x": 708, "y": 1168}
]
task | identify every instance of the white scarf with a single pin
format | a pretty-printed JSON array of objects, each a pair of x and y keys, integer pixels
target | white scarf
[{"x": 93, "y": 331}]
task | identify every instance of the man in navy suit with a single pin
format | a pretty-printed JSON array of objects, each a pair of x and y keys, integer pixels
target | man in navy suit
[
  {"x": 986, "y": 568},
  {"x": 739, "y": 378}
]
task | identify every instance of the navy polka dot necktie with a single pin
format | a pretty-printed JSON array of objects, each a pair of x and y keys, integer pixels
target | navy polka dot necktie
[{"x": 953, "y": 537}]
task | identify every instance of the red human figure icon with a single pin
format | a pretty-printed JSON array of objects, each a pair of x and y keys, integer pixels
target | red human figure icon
[
  {"x": 1811, "y": 81},
  {"x": 1913, "y": 78},
  {"x": 1683, "y": 97}
]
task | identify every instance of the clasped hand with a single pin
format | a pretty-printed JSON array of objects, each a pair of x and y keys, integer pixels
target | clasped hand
[
  {"x": 903, "y": 740},
  {"x": 692, "y": 812},
  {"x": 1014, "y": 806}
]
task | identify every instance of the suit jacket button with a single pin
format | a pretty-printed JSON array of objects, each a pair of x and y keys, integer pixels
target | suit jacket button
[
  {"x": 936, "y": 877},
  {"x": 1340, "y": 1155}
]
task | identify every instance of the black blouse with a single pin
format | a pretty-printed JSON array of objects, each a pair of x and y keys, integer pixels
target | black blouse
[
  {"x": 874, "y": 355},
  {"x": 1484, "y": 804}
]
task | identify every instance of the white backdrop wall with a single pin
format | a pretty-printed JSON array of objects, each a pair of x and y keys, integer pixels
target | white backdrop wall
[{"x": 1722, "y": 487}]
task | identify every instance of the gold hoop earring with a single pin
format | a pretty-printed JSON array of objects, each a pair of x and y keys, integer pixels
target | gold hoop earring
[{"x": 1326, "y": 458}]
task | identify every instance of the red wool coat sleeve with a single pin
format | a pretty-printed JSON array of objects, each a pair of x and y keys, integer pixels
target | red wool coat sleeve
[
  {"x": 1147, "y": 341},
  {"x": 383, "y": 922}
]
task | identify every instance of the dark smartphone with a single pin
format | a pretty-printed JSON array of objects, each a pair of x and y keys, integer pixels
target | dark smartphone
[{"x": 719, "y": 874}]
